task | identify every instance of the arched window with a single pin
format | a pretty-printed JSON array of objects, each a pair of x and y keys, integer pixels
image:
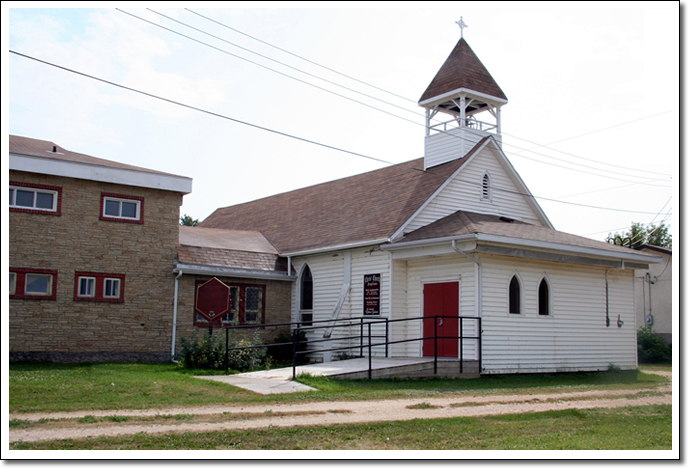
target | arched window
[
  {"x": 306, "y": 296},
  {"x": 543, "y": 298},
  {"x": 487, "y": 187},
  {"x": 514, "y": 296}
]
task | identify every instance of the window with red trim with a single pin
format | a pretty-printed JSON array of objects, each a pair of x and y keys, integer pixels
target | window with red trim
[
  {"x": 247, "y": 306},
  {"x": 121, "y": 208},
  {"x": 34, "y": 198},
  {"x": 31, "y": 283},
  {"x": 98, "y": 287}
]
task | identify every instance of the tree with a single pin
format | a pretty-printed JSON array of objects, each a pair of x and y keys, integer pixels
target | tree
[
  {"x": 187, "y": 220},
  {"x": 639, "y": 235}
]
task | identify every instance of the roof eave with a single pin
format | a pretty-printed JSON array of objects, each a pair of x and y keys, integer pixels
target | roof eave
[
  {"x": 114, "y": 175},
  {"x": 332, "y": 248},
  {"x": 443, "y": 97},
  {"x": 519, "y": 242},
  {"x": 209, "y": 270}
]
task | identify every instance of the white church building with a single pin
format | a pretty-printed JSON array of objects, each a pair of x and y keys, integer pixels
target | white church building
[{"x": 454, "y": 234}]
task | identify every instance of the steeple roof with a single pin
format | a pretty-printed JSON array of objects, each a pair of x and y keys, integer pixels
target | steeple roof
[{"x": 462, "y": 69}]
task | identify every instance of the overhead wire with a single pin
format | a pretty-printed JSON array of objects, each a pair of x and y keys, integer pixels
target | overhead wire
[
  {"x": 410, "y": 100},
  {"x": 647, "y": 181},
  {"x": 263, "y": 66},
  {"x": 215, "y": 114},
  {"x": 300, "y": 57}
]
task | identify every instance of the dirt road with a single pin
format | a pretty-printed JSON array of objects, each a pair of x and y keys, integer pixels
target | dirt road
[{"x": 213, "y": 418}]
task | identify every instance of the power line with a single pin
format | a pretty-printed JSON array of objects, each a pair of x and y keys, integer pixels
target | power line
[
  {"x": 586, "y": 159},
  {"x": 604, "y": 189},
  {"x": 265, "y": 67},
  {"x": 302, "y": 58},
  {"x": 215, "y": 114},
  {"x": 367, "y": 105},
  {"x": 274, "y": 60}
]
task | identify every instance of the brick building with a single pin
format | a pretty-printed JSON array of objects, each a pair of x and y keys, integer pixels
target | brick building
[{"x": 93, "y": 245}]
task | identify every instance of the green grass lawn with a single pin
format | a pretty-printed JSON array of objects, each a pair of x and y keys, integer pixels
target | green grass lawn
[
  {"x": 48, "y": 387},
  {"x": 630, "y": 428}
]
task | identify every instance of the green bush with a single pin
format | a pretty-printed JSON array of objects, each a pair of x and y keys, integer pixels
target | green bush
[
  {"x": 651, "y": 347},
  {"x": 284, "y": 354},
  {"x": 208, "y": 351}
]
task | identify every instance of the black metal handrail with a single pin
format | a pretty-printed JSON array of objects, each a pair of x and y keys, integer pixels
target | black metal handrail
[
  {"x": 387, "y": 342},
  {"x": 362, "y": 322}
]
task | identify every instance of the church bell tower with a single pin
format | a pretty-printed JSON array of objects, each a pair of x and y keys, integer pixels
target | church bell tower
[{"x": 457, "y": 103}]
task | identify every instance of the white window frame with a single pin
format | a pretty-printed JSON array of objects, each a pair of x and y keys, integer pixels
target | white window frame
[
  {"x": 90, "y": 279},
  {"x": 49, "y": 289},
  {"x": 13, "y": 198},
  {"x": 120, "y": 201},
  {"x": 13, "y": 283},
  {"x": 117, "y": 281}
]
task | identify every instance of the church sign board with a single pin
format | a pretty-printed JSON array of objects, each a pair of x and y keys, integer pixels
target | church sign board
[{"x": 371, "y": 294}]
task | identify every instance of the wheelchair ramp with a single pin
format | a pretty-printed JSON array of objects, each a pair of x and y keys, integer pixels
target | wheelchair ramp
[{"x": 279, "y": 380}]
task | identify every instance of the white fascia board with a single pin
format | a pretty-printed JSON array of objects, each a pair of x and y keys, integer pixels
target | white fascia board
[
  {"x": 443, "y": 97},
  {"x": 332, "y": 248},
  {"x": 189, "y": 269},
  {"x": 400, "y": 231},
  {"x": 516, "y": 178},
  {"x": 429, "y": 242},
  {"x": 113, "y": 175},
  {"x": 566, "y": 248}
]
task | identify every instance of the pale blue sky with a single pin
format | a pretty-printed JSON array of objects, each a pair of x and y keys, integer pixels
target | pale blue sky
[{"x": 567, "y": 72}]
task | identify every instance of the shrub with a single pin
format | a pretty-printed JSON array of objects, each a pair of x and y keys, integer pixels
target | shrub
[
  {"x": 283, "y": 354},
  {"x": 651, "y": 347},
  {"x": 208, "y": 352}
]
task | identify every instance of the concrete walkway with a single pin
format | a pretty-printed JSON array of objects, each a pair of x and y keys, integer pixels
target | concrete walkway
[{"x": 279, "y": 380}]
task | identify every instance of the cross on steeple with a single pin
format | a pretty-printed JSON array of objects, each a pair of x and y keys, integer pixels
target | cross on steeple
[{"x": 461, "y": 25}]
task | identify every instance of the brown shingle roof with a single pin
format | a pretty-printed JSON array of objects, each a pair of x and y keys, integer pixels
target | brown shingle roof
[
  {"x": 364, "y": 207},
  {"x": 247, "y": 250},
  {"x": 463, "y": 222},
  {"x": 462, "y": 69},
  {"x": 214, "y": 257},
  {"x": 250, "y": 241},
  {"x": 44, "y": 149}
]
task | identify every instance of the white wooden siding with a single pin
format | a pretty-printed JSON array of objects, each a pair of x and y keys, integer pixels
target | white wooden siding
[
  {"x": 435, "y": 270},
  {"x": 452, "y": 144},
  {"x": 574, "y": 336},
  {"x": 465, "y": 190},
  {"x": 328, "y": 280}
]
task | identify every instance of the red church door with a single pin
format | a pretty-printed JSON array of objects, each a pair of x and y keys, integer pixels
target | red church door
[{"x": 441, "y": 299}]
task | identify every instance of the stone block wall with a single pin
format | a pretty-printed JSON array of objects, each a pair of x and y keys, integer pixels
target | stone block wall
[
  {"x": 277, "y": 307},
  {"x": 66, "y": 330}
]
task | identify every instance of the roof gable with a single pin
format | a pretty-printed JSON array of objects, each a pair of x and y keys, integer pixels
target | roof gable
[
  {"x": 462, "y": 191},
  {"x": 462, "y": 69}
]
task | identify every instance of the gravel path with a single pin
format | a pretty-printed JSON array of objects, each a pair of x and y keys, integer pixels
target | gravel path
[{"x": 339, "y": 412}]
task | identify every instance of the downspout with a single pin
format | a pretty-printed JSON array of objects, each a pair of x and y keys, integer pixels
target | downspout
[
  {"x": 174, "y": 316},
  {"x": 606, "y": 292}
]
